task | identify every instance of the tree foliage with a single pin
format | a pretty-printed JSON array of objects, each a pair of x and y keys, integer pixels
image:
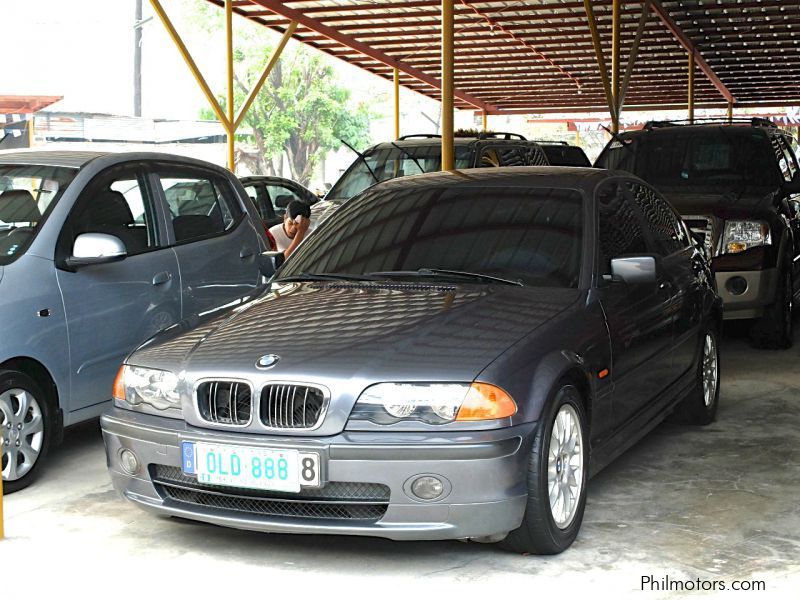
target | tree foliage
[{"x": 301, "y": 113}]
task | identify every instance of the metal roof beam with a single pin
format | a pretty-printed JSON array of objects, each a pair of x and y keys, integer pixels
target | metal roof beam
[
  {"x": 689, "y": 46},
  {"x": 299, "y": 17}
]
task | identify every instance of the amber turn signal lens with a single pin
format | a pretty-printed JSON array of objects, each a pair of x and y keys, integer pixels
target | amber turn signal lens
[
  {"x": 119, "y": 384},
  {"x": 485, "y": 402}
]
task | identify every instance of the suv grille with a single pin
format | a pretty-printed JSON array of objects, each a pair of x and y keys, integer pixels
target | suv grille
[
  {"x": 225, "y": 402},
  {"x": 703, "y": 227},
  {"x": 286, "y": 406},
  {"x": 335, "y": 500}
]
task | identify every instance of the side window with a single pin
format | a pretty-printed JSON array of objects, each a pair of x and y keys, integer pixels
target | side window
[
  {"x": 117, "y": 202},
  {"x": 787, "y": 162},
  {"x": 668, "y": 234},
  {"x": 502, "y": 156},
  {"x": 281, "y": 196},
  {"x": 535, "y": 156},
  {"x": 619, "y": 226},
  {"x": 200, "y": 205}
]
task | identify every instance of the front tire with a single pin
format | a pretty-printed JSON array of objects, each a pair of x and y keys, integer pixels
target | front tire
[
  {"x": 557, "y": 478},
  {"x": 774, "y": 330},
  {"x": 25, "y": 423}
]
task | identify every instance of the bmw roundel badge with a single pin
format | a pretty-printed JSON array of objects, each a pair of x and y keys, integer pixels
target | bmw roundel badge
[{"x": 267, "y": 361}]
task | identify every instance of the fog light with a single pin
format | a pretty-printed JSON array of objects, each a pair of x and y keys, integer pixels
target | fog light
[
  {"x": 736, "y": 285},
  {"x": 427, "y": 487},
  {"x": 128, "y": 461}
]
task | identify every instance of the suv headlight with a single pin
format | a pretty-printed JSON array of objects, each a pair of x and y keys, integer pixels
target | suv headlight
[
  {"x": 433, "y": 403},
  {"x": 743, "y": 235},
  {"x": 139, "y": 385}
]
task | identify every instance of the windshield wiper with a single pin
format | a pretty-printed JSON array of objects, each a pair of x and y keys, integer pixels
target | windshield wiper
[
  {"x": 427, "y": 272},
  {"x": 409, "y": 155},
  {"x": 364, "y": 160},
  {"x": 326, "y": 277}
]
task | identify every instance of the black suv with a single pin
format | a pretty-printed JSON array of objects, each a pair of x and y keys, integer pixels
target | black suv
[{"x": 737, "y": 185}]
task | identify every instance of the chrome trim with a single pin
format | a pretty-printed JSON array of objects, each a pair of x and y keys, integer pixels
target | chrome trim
[
  {"x": 196, "y": 403},
  {"x": 326, "y": 400}
]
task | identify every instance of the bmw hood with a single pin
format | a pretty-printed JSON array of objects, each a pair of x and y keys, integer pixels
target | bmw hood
[{"x": 365, "y": 331}]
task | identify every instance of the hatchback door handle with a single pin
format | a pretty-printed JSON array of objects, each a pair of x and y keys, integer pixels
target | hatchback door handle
[{"x": 162, "y": 278}]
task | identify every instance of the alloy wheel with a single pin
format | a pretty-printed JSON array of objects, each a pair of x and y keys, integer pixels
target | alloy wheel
[
  {"x": 565, "y": 466},
  {"x": 710, "y": 369},
  {"x": 22, "y": 431}
]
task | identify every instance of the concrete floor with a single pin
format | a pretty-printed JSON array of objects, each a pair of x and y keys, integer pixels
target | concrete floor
[{"x": 715, "y": 503}]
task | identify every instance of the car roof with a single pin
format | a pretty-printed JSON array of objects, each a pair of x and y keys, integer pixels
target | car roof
[
  {"x": 435, "y": 141},
  {"x": 74, "y": 159},
  {"x": 584, "y": 178},
  {"x": 735, "y": 129}
]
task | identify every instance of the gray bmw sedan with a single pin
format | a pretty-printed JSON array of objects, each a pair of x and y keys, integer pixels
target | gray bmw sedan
[{"x": 450, "y": 355}]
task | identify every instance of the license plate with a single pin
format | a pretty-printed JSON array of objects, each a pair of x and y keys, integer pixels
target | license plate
[{"x": 249, "y": 467}]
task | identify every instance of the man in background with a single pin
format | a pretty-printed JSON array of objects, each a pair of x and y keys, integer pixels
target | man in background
[{"x": 290, "y": 233}]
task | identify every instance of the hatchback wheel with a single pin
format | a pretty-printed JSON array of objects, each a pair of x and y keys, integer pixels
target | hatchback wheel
[
  {"x": 700, "y": 406},
  {"x": 24, "y": 427},
  {"x": 557, "y": 478}
]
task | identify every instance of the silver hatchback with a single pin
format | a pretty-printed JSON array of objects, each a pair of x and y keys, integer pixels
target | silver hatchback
[{"x": 98, "y": 252}]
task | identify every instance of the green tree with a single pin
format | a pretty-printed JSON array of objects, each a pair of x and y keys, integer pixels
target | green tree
[{"x": 302, "y": 111}]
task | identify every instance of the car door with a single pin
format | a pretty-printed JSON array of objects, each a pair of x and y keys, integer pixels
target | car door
[
  {"x": 212, "y": 234},
  {"x": 639, "y": 328},
  {"x": 111, "y": 308},
  {"x": 679, "y": 274}
]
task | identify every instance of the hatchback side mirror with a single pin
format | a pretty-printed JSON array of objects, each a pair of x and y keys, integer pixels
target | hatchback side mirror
[
  {"x": 270, "y": 262},
  {"x": 634, "y": 269},
  {"x": 96, "y": 249}
]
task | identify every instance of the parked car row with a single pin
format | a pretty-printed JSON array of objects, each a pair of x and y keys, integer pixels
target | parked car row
[{"x": 446, "y": 355}]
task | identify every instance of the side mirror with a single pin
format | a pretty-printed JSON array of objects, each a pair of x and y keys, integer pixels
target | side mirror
[
  {"x": 96, "y": 249},
  {"x": 269, "y": 262},
  {"x": 634, "y": 269}
]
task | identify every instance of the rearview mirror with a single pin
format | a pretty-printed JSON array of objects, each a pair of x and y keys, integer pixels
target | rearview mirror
[
  {"x": 96, "y": 249},
  {"x": 270, "y": 262},
  {"x": 634, "y": 269}
]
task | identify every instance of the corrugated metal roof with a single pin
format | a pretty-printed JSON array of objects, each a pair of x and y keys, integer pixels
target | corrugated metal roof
[{"x": 537, "y": 55}]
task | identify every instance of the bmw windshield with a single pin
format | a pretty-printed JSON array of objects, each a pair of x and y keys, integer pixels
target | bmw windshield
[
  {"x": 382, "y": 163},
  {"x": 515, "y": 235},
  {"x": 27, "y": 194}
]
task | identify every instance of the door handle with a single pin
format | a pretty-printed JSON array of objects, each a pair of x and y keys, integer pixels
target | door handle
[
  {"x": 162, "y": 278},
  {"x": 246, "y": 253}
]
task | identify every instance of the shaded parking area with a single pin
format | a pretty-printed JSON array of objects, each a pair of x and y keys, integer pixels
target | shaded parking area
[{"x": 716, "y": 503}]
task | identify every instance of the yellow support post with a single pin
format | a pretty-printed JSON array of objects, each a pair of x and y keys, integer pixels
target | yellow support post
[
  {"x": 176, "y": 38},
  {"x": 601, "y": 62},
  {"x": 485, "y": 121},
  {"x": 615, "y": 65},
  {"x": 30, "y": 136},
  {"x": 396, "y": 103},
  {"x": 265, "y": 73},
  {"x": 447, "y": 86},
  {"x": 691, "y": 87},
  {"x": 230, "y": 129},
  {"x": 730, "y": 112}
]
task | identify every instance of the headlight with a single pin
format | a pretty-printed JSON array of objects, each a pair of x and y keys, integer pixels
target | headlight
[
  {"x": 138, "y": 385},
  {"x": 743, "y": 235},
  {"x": 434, "y": 403}
]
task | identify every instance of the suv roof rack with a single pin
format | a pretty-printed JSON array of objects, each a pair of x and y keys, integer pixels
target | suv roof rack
[
  {"x": 500, "y": 135},
  {"x": 559, "y": 142},
  {"x": 752, "y": 121},
  {"x": 418, "y": 136}
]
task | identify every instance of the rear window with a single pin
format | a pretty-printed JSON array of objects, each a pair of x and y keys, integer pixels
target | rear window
[
  {"x": 566, "y": 156},
  {"x": 700, "y": 157}
]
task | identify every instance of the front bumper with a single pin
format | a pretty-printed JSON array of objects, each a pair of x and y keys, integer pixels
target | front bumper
[
  {"x": 485, "y": 471},
  {"x": 759, "y": 291}
]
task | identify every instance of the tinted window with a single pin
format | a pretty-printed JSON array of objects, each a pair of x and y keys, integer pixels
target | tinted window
[
  {"x": 27, "y": 193},
  {"x": 666, "y": 230},
  {"x": 199, "y": 205},
  {"x": 785, "y": 158},
  {"x": 619, "y": 226},
  {"x": 281, "y": 196},
  {"x": 700, "y": 157},
  {"x": 566, "y": 156},
  {"x": 529, "y": 234},
  {"x": 116, "y": 203}
]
